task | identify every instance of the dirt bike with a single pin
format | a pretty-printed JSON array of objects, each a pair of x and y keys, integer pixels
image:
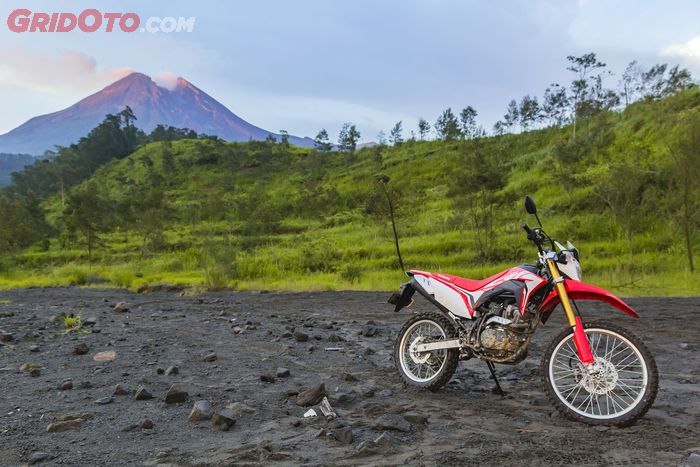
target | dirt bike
[{"x": 597, "y": 373}]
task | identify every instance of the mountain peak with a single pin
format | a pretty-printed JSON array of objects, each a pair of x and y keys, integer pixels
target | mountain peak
[{"x": 175, "y": 102}]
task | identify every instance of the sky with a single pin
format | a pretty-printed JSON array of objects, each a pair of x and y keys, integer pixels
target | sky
[{"x": 302, "y": 65}]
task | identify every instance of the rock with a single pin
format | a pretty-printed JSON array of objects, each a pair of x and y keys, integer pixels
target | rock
[
  {"x": 104, "y": 400},
  {"x": 392, "y": 422},
  {"x": 349, "y": 377},
  {"x": 311, "y": 396},
  {"x": 385, "y": 393},
  {"x": 236, "y": 329},
  {"x": 6, "y": 337},
  {"x": 66, "y": 385},
  {"x": 84, "y": 385},
  {"x": 6, "y": 314},
  {"x": 106, "y": 356},
  {"x": 311, "y": 348},
  {"x": 300, "y": 336},
  {"x": 201, "y": 410},
  {"x": 142, "y": 394},
  {"x": 223, "y": 419},
  {"x": 384, "y": 440},
  {"x": 91, "y": 321},
  {"x": 32, "y": 369},
  {"x": 172, "y": 370},
  {"x": 692, "y": 460},
  {"x": 415, "y": 418},
  {"x": 82, "y": 416},
  {"x": 335, "y": 338},
  {"x": 344, "y": 435},
  {"x": 160, "y": 371},
  {"x": 239, "y": 408},
  {"x": 286, "y": 334},
  {"x": 81, "y": 349},
  {"x": 210, "y": 357},
  {"x": 37, "y": 457},
  {"x": 368, "y": 330},
  {"x": 34, "y": 348},
  {"x": 55, "y": 427},
  {"x": 267, "y": 378},
  {"x": 345, "y": 398},
  {"x": 120, "y": 390},
  {"x": 282, "y": 372},
  {"x": 146, "y": 424},
  {"x": 121, "y": 307},
  {"x": 175, "y": 395}
]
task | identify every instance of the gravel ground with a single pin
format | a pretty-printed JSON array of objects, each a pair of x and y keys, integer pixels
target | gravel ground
[{"x": 231, "y": 349}]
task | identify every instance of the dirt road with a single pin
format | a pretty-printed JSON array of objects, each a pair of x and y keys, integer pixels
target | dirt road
[{"x": 255, "y": 337}]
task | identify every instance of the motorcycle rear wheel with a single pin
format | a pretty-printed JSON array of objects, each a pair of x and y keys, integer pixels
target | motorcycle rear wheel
[
  {"x": 426, "y": 370},
  {"x": 618, "y": 390}
]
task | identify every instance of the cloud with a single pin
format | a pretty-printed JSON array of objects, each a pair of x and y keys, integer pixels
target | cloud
[
  {"x": 65, "y": 73},
  {"x": 166, "y": 79},
  {"x": 688, "y": 51}
]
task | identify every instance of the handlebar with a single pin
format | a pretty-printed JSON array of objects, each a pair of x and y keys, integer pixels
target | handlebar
[{"x": 534, "y": 236}]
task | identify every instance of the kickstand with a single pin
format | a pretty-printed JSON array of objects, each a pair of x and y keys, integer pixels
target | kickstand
[{"x": 497, "y": 389}]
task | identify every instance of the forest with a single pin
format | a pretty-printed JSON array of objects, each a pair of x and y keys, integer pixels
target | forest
[{"x": 615, "y": 170}]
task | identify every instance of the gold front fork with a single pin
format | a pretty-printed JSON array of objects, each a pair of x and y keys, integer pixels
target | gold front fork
[{"x": 561, "y": 290}]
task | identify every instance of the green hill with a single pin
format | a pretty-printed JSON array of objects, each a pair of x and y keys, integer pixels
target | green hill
[{"x": 263, "y": 215}]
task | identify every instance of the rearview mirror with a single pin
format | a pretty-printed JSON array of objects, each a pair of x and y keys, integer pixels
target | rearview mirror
[{"x": 530, "y": 205}]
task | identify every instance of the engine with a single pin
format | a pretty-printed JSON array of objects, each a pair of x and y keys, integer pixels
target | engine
[{"x": 504, "y": 332}]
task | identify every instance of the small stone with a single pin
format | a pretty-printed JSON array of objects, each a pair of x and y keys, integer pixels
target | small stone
[
  {"x": 267, "y": 378},
  {"x": 107, "y": 356},
  {"x": 392, "y": 422},
  {"x": 29, "y": 367},
  {"x": 282, "y": 372},
  {"x": 693, "y": 459},
  {"x": 81, "y": 349},
  {"x": 172, "y": 370},
  {"x": 201, "y": 410},
  {"x": 175, "y": 395},
  {"x": 236, "y": 329},
  {"x": 239, "y": 408},
  {"x": 6, "y": 337},
  {"x": 160, "y": 371},
  {"x": 311, "y": 396},
  {"x": 37, "y": 457},
  {"x": 104, "y": 400},
  {"x": 384, "y": 440},
  {"x": 56, "y": 427},
  {"x": 223, "y": 419},
  {"x": 415, "y": 418},
  {"x": 349, "y": 377},
  {"x": 385, "y": 393},
  {"x": 368, "y": 331},
  {"x": 335, "y": 338},
  {"x": 34, "y": 348},
  {"x": 300, "y": 336},
  {"x": 121, "y": 307},
  {"x": 66, "y": 385},
  {"x": 84, "y": 385},
  {"x": 120, "y": 390},
  {"x": 146, "y": 424},
  {"x": 142, "y": 394},
  {"x": 311, "y": 348},
  {"x": 344, "y": 435},
  {"x": 91, "y": 321},
  {"x": 210, "y": 357}
]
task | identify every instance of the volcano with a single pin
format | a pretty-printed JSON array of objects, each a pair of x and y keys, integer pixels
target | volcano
[{"x": 183, "y": 106}]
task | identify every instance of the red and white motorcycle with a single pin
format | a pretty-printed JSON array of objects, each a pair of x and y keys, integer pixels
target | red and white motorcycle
[{"x": 597, "y": 373}]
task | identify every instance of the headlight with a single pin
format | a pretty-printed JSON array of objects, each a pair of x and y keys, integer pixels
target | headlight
[{"x": 572, "y": 268}]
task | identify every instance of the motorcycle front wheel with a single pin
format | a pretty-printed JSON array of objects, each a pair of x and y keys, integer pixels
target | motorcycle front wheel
[
  {"x": 617, "y": 389},
  {"x": 427, "y": 370}
]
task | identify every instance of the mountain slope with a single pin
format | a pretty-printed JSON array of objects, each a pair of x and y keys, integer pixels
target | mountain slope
[{"x": 185, "y": 106}]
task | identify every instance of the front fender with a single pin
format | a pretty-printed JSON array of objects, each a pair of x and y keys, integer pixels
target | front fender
[{"x": 581, "y": 291}]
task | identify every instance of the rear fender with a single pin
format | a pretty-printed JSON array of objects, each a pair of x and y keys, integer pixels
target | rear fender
[{"x": 581, "y": 291}]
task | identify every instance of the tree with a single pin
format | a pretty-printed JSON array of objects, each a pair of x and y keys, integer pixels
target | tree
[
  {"x": 582, "y": 66},
  {"x": 390, "y": 197},
  {"x": 555, "y": 104},
  {"x": 529, "y": 112},
  {"x": 381, "y": 138},
  {"x": 284, "y": 139},
  {"x": 322, "y": 142},
  {"x": 423, "y": 128},
  {"x": 395, "y": 135},
  {"x": 447, "y": 126},
  {"x": 631, "y": 82},
  {"x": 467, "y": 120},
  {"x": 512, "y": 115},
  {"x": 683, "y": 194},
  {"x": 86, "y": 213},
  {"x": 348, "y": 137}
]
